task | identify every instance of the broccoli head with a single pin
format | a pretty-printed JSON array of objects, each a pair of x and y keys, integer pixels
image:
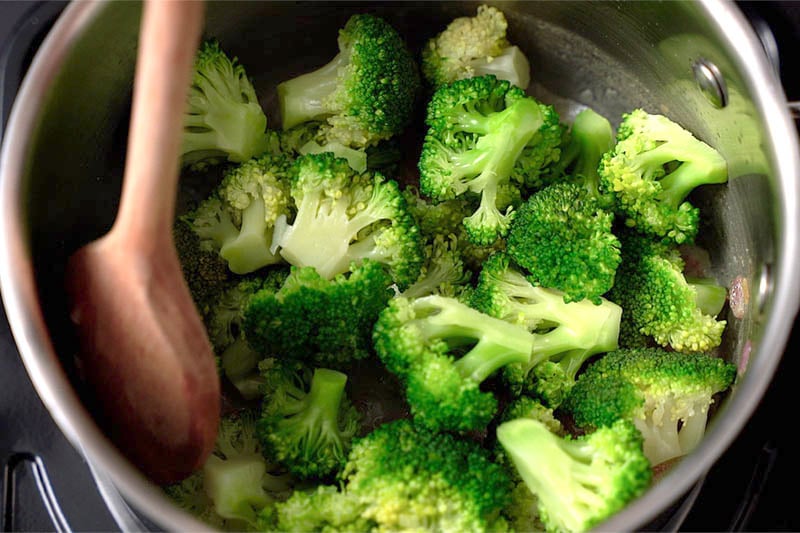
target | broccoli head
[
  {"x": 365, "y": 94},
  {"x": 307, "y": 423},
  {"x": 238, "y": 219},
  {"x": 320, "y": 321},
  {"x": 564, "y": 241},
  {"x": 477, "y": 130},
  {"x": 475, "y": 46},
  {"x": 443, "y": 272},
  {"x": 223, "y": 119},
  {"x": 205, "y": 272},
  {"x": 660, "y": 302},
  {"x": 345, "y": 217},
  {"x": 667, "y": 396},
  {"x": 565, "y": 334},
  {"x": 578, "y": 482},
  {"x": 443, "y": 350},
  {"x": 653, "y": 167}
]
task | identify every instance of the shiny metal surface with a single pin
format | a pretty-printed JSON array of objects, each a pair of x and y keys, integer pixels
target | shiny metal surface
[{"x": 61, "y": 164}]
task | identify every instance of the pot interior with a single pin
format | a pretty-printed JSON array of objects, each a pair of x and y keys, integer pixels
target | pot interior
[{"x": 608, "y": 56}]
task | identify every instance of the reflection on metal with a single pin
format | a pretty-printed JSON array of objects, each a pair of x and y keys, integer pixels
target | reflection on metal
[
  {"x": 711, "y": 82},
  {"x": 13, "y": 469}
]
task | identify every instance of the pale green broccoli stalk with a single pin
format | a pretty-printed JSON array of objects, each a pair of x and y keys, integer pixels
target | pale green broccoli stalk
[
  {"x": 443, "y": 272},
  {"x": 309, "y": 138},
  {"x": 653, "y": 167},
  {"x": 223, "y": 119},
  {"x": 667, "y": 395},
  {"x": 475, "y": 46},
  {"x": 564, "y": 241},
  {"x": 236, "y": 477},
  {"x": 323, "y": 322},
  {"x": 401, "y": 477},
  {"x": 660, "y": 302},
  {"x": 566, "y": 334},
  {"x": 477, "y": 129},
  {"x": 442, "y": 350},
  {"x": 578, "y": 482},
  {"x": 365, "y": 94},
  {"x": 238, "y": 218},
  {"x": 344, "y": 217},
  {"x": 306, "y": 422}
]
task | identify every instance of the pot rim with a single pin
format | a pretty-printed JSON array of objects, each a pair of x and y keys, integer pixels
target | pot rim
[{"x": 19, "y": 295}]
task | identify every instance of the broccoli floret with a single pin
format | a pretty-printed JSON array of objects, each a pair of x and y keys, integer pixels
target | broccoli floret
[
  {"x": 320, "y": 321},
  {"x": 436, "y": 218},
  {"x": 660, "y": 302},
  {"x": 205, "y": 272},
  {"x": 566, "y": 334},
  {"x": 475, "y": 46},
  {"x": 309, "y": 138},
  {"x": 307, "y": 423},
  {"x": 223, "y": 119},
  {"x": 653, "y": 167},
  {"x": 365, "y": 94},
  {"x": 667, "y": 396},
  {"x": 478, "y": 128},
  {"x": 527, "y": 407},
  {"x": 343, "y": 216},
  {"x": 578, "y": 482},
  {"x": 236, "y": 477},
  {"x": 564, "y": 240},
  {"x": 190, "y": 495},
  {"x": 590, "y": 136},
  {"x": 238, "y": 218},
  {"x": 532, "y": 170},
  {"x": 443, "y": 272},
  {"x": 401, "y": 477},
  {"x": 443, "y": 350}
]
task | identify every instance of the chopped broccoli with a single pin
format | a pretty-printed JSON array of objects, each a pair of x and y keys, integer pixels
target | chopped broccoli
[
  {"x": 475, "y": 46},
  {"x": 653, "y": 167},
  {"x": 324, "y": 322},
  {"x": 401, "y": 477},
  {"x": 564, "y": 240},
  {"x": 343, "y": 216},
  {"x": 205, "y": 272},
  {"x": 443, "y": 272},
  {"x": 238, "y": 218},
  {"x": 478, "y": 128},
  {"x": 590, "y": 136},
  {"x": 527, "y": 407},
  {"x": 365, "y": 94},
  {"x": 223, "y": 119},
  {"x": 660, "y": 302},
  {"x": 578, "y": 482},
  {"x": 667, "y": 396},
  {"x": 190, "y": 495},
  {"x": 443, "y": 350},
  {"x": 436, "y": 218},
  {"x": 236, "y": 477},
  {"x": 563, "y": 333},
  {"x": 309, "y": 138},
  {"x": 532, "y": 169},
  {"x": 307, "y": 422}
]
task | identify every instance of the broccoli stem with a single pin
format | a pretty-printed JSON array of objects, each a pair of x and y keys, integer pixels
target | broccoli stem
[
  {"x": 709, "y": 297},
  {"x": 239, "y": 359},
  {"x": 250, "y": 250},
  {"x": 320, "y": 410},
  {"x": 302, "y": 99}
]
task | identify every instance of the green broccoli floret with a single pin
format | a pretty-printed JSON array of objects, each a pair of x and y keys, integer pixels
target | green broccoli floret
[
  {"x": 401, "y": 477},
  {"x": 532, "y": 170},
  {"x": 223, "y": 119},
  {"x": 564, "y": 240},
  {"x": 345, "y": 217},
  {"x": 478, "y": 128},
  {"x": 323, "y": 322},
  {"x": 667, "y": 396},
  {"x": 436, "y": 218},
  {"x": 527, "y": 407},
  {"x": 653, "y": 167},
  {"x": 475, "y": 46},
  {"x": 205, "y": 272},
  {"x": 565, "y": 334},
  {"x": 238, "y": 218},
  {"x": 365, "y": 94},
  {"x": 190, "y": 495},
  {"x": 443, "y": 272},
  {"x": 443, "y": 350},
  {"x": 309, "y": 138},
  {"x": 578, "y": 482},
  {"x": 590, "y": 136},
  {"x": 236, "y": 477},
  {"x": 307, "y": 423},
  {"x": 659, "y": 301}
]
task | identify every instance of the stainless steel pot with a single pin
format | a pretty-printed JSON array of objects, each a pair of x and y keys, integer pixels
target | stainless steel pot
[{"x": 699, "y": 63}]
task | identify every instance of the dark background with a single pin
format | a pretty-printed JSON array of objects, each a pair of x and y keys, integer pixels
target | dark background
[{"x": 753, "y": 487}]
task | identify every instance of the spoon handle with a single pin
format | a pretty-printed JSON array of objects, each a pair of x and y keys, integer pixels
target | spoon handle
[{"x": 170, "y": 36}]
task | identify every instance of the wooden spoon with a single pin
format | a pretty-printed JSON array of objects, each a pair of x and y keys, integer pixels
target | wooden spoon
[{"x": 144, "y": 350}]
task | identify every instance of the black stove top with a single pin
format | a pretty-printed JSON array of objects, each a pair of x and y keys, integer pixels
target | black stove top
[{"x": 47, "y": 485}]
